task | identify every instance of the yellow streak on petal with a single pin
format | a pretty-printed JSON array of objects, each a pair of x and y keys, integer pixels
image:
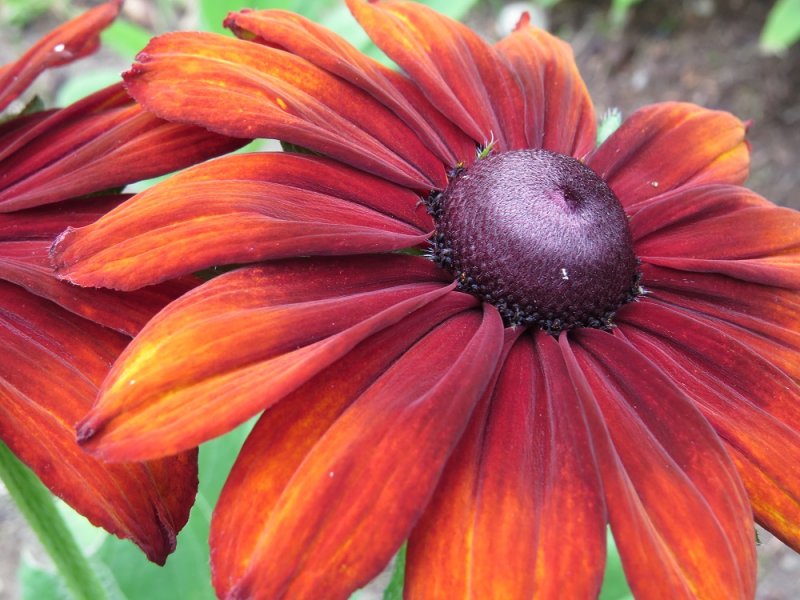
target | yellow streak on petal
[{"x": 407, "y": 41}]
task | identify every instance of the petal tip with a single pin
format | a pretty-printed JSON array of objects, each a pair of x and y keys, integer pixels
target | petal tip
[
  {"x": 84, "y": 433},
  {"x": 136, "y": 69},
  {"x": 524, "y": 21}
]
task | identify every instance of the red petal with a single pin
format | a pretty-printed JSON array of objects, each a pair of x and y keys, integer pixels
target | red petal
[
  {"x": 678, "y": 510},
  {"x": 241, "y": 342},
  {"x": 20, "y": 125},
  {"x": 665, "y": 146},
  {"x": 241, "y": 209},
  {"x": 68, "y": 42},
  {"x": 277, "y": 95},
  {"x": 328, "y": 51},
  {"x": 101, "y": 142},
  {"x": 46, "y": 222},
  {"x": 27, "y": 265},
  {"x": 721, "y": 229},
  {"x": 522, "y": 481},
  {"x": 287, "y": 432},
  {"x": 751, "y": 403},
  {"x": 765, "y": 317},
  {"x": 359, "y": 490},
  {"x": 52, "y": 363},
  {"x": 559, "y": 115},
  {"x": 463, "y": 76}
]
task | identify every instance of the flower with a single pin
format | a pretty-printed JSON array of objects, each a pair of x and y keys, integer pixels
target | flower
[
  {"x": 465, "y": 324},
  {"x": 58, "y": 168}
]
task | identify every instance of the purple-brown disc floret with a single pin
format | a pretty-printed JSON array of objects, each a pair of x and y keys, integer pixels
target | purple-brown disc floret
[{"x": 540, "y": 236}]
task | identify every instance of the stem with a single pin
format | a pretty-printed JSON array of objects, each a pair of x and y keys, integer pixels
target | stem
[{"x": 38, "y": 507}]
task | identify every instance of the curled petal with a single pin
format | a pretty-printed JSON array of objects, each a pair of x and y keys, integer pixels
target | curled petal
[
  {"x": 288, "y": 431},
  {"x": 98, "y": 143},
  {"x": 559, "y": 114},
  {"x": 750, "y": 402},
  {"x": 357, "y": 493},
  {"x": 328, "y": 51},
  {"x": 522, "y": 480},
  {"x": 248, "y": 90},
  {"x": 242, "y": 209},
  {"x": 242, "y": 341},
  {"x": 678, "y": 510},
  {"x": 68, "y": 42},
  {"x": 721, "y": 229},
  {"x": 669, "y": 145},
  {"x": 463, "y": 76},
  {"x": 52, "y": 364}
]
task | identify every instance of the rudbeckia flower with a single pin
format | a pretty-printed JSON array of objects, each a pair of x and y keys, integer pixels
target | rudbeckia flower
[
  {"x": 462, "y": 323},
  {"x": 57, "y": 168}
]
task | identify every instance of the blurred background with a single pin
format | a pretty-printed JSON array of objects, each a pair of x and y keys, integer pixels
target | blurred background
[{"x": 735, "y": 55}]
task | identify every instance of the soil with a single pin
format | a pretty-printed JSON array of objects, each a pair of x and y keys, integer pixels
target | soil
[
  {"x": 702, "y": 51},
  {"x": 709, "y": 57}
]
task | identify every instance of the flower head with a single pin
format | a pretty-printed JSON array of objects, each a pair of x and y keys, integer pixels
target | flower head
[
  {"x": 58, "y": 168},
  {"x": 467, "y": 326}
]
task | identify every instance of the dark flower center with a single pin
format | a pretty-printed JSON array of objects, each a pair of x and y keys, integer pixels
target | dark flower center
[{"x": 540, "y": 236}]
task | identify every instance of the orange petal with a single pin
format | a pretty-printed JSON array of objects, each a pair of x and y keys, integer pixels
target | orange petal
[
  {"x": 26, "y": 264},
  {"x": 559, "y": 114},
  {"x": 721, "y": 229},
  {"x": 328, "y": 51},
  {"x": 242, "y": 341},
  {"x": 52, "y": 364},
  {"x": 248, "y": 90},
  {"x": 522, "y": 481},
  {"x": 669, "y": 145},
  {"x": 751, "y": 403},
  {"x": 242, "y": 209},
  {"x": 68, "y": 42},
  {"x": 358, "y": 492},
  {"x": 25, "y": 238},
  {"x": 776, "y": 508},
  {"x": 678, "y": 510},
  {"x": 464, "y": 77},
  {"x": 287, "y": 432},
  {"x": 98, "y": 143}
]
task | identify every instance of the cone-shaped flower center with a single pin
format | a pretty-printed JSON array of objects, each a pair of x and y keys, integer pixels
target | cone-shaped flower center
[{"x": 540, "y": 236}]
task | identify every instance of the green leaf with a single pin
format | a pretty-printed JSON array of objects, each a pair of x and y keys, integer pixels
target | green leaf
[
  {"x": 77, "y": 88},
  {"x": 609, "y": 123},
  {"x": 394, "y": 591},
  {"x": 615, "y": 586},
  {"x": 782, "y": 28},
  {"x": 35, "y": 583},
  {"x": 126, "y": 38}
]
